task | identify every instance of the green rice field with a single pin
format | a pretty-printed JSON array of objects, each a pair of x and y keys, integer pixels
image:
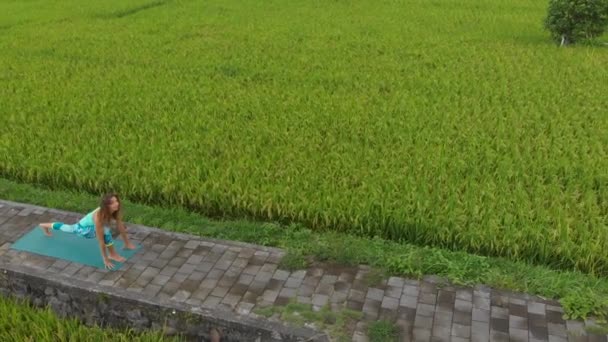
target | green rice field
[{"x": 456, "y": 124}]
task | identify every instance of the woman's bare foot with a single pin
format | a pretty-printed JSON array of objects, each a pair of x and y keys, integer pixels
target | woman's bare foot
[
  {"x": 46, "y": 230},
  {"x": 116, "y": 257}
]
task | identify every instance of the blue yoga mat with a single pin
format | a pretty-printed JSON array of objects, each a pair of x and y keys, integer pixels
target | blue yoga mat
[{"x": 70, "y": 247}]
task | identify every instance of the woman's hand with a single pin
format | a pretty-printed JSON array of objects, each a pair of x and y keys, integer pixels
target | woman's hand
[{"x": 108, "y": 264}]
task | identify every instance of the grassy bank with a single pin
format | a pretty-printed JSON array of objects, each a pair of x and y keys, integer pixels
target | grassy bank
[{"x": 19, "y": 321}]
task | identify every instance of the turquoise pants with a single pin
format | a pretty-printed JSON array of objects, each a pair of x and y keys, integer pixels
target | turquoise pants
[{"x": 86, "y": 232}]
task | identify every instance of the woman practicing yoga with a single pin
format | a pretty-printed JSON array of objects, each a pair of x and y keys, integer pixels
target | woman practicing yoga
[{"x": 94, "y": 225}]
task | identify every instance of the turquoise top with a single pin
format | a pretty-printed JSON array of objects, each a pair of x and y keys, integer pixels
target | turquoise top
[{"x": 87, "y": 221}]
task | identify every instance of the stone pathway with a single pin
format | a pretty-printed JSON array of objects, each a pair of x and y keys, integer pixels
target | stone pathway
[{"x": 239, "y": 277}]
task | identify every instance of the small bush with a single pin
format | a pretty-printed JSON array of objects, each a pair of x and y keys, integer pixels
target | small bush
[{"x": 570, "y": 21}]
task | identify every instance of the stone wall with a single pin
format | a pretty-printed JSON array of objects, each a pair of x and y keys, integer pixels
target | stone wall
[{"x": 114, "y": 307}]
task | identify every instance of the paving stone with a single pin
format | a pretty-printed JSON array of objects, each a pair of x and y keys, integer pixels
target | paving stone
[
  {"x": 177, "y": 262},
  {"x": 204, "y": 267},
  {"x": 536, "y": 308},
  {"x": 95, "y": 277},
  {"x": 461, "y": 330},
  {"x": 499, "y": 312},
  {"x": 328, "y": 279},
  {"x": 428, "y": 297},
  {"x": 481, "y": 303},
  {"x": 461, "y": 317},
  {"x": 244, "y": 308},
  {"x": 181, "y": 296},
  {"x": 60, "y": 264},
  {"x": 425, "y": 309},
  {"x": 519, "y": 335},
  {"x": 421, "y": 335},
  {"x": 340, "y": 297},
  {"x": 84, "y": 272},
  {"x": 423, "y": 321},
  {"x": 160, "y": 279},
  {"x": 179, "y": 277},
  {"x": 170, "y": 288},
  {"x": 497, "y": 336},
  {"x": 499, "y": 324},
  {"x": 354, "y": 305},
  {"x": 441, "y": 333},
  {"x": 370, "y": 309},
  {"x": 396, "y": 282},
  {"x": 195, "y": 259},
  {"x": 238, "y": 289},
  {"x": 554, "y": 308},
  {"x": 444, "y": 296},
  {"x": 257, "y": 287},
  {"x": 390, "y": 303},
  {"x": 158, "y": 248},
  {"x": 240, "y": 263},
  {"x": 263, "y": 277},
  {"x": 215, "y": 274},
  {"x": 195, "y": 302},
  {"x": 518, "y": 310},
  {"x": 252, "y": 269},
  {"x": 319, "y": 300},
  {"x": 480, "y": 331},
  {"x": 211, "y": 301},
  {"x": 408, "y": 301},
  {"x": 227, "y": 280},
  {"x": 231, "y": 300},
  {"x": 411, "y": 290},
  {"x": 246, "y": 253},
  {"x": 557, "y": 329},
  {"x": 304, "y": 300},
  {"x": 426, "y": 287},
  {"x": 325, "y": 289},
  {"x": 288, "y": 293},
  {"x": 201, "y": 293},
  {"x": 159, "y": 263},
  {"x": 464, "y": 295},
  {"x": 517, "y": 301},
  {"x": 186, "y": 268},
  {"x": 280, "y": 275},
  {"x": 538, "y": 332},
  {"x": 150, "y": 256},
  {"x": 275, "y": 258},
  {"x": 71, "y": 269},
  {"x": 555, "y": 317},
  {"x": 151, "y": 289},
  {"x": 307, "y": 290},
  {"x": 458, "y": 339},
  {"x": 192, "y": 244},
  {"x": 197, "y": 276},
  {"x": 481, "y": 315},
  {"x": 537, "y": 320},
  {"x": 518, "y": 322},
  {"x": 269, "y": 268},
  {"x": 293, "y": 282},
  {"x": 356, "y": 295},
  {"x": 443, "y": 318},
  {"x": 463, "y": 305},
  {"x": 375, "y": 294},
  {"x": 189, "y": 285}
]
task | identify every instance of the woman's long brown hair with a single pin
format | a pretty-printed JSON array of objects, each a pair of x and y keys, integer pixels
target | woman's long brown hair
[{"x": 105, "y": 215}]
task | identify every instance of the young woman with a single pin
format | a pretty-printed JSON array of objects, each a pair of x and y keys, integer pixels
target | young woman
[{"x": 95, "y": 225}]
